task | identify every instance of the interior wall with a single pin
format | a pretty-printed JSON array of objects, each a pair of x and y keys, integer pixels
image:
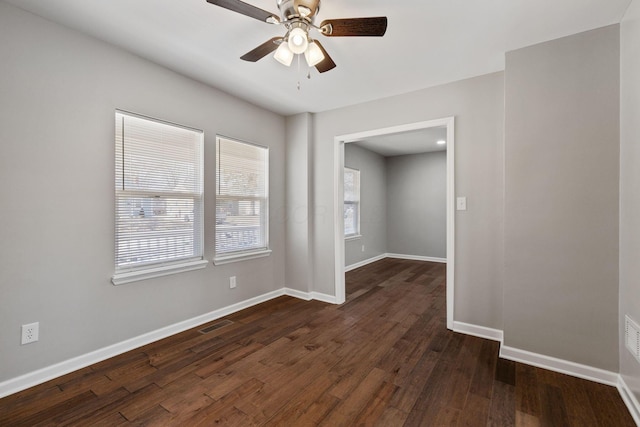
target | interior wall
[
  {"x": 417, "y": 204},
  {"x": 58, "y": 95},
  {"x": 373, "y": 209},
  {"x": 478, "y": 107},
  {"x": 630, "y": 188},
  {"x": 561, "y": 203},
  {"x": 298, "y": 266}
]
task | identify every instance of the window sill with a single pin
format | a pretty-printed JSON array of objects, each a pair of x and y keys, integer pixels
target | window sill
[
  {"x": 165, "y": 270},
  {"x": 353, "y": 237},
  {"x": 226, "y": 259}
]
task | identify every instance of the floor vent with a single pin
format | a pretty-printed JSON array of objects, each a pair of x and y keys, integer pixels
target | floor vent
[
  {"x": 632, "y": 336},
  {"x": 215, "y": 326}
]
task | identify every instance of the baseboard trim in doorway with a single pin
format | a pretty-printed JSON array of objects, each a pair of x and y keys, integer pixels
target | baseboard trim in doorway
[
  {"x": 364, "y": 262},
  {"x": 308, "y": 296},
  {"x": 478, "y": 331},
  {"x": 417, "y": 258},
  {"x": 395, "y": 256}
]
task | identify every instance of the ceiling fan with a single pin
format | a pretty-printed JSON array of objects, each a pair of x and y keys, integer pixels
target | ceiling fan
[{"x": 298, "y": 17}]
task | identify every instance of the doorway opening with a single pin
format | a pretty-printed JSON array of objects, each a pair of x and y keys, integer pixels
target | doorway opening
[{"x": 339, "y": 144}]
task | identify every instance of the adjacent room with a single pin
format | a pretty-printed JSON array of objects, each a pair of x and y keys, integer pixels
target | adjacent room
[
  {"x": 209, "y": 217},
  {"x": 393, "y": 182}
]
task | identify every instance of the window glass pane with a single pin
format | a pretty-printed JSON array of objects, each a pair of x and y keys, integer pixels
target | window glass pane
[
  {"x": 152, "y": 230},
  {"x": 351, "y": 202},
  {"x": 241, "y": 197},
  {"x": 351, "y": 185},
  {"x": 350, "y": 219}
]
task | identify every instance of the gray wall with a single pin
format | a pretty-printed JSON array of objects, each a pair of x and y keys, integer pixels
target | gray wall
[
  {"x": 297, "y": 226},
  {"x": 630, "y": 188},
  {"x": 58, "y": 94},
  {"x": 417, "y": 204},
  {"x": 478, "y": 106},
  {"x": 561, "y": 203},
  {"x": 373, "y": 209}
]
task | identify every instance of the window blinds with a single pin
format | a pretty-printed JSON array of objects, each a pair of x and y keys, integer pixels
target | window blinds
[
  {"x": 241, "y": 197},
  {"x": 158, "y": 192}
]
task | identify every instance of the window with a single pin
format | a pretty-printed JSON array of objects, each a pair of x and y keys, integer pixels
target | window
[
  {"x": 158, "y": 198},
  {"x": 351, "y": 202},
  {"x": 242, "y": 201}
]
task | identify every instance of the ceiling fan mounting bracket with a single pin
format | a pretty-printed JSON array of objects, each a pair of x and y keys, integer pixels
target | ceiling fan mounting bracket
[{"x": 301, "y": 9}]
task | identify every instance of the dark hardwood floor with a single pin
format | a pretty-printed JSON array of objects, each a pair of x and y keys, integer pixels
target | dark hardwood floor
[{"x": 383, "y": 358}]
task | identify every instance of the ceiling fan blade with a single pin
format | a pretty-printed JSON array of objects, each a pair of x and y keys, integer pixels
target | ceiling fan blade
[
  {"x": 261, "y": 51},
  {"x": 247, "y": 9},
  {"x": 327, "y": 63},
  {"x": 362, "y": 27}
]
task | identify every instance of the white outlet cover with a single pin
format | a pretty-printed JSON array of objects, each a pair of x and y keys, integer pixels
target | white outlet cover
[
  {"x": 30, "y": 333},
  {"x": 461, "y": 203}
]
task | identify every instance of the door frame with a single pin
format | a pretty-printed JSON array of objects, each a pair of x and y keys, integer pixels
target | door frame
[{"x": 338, "y": 175}]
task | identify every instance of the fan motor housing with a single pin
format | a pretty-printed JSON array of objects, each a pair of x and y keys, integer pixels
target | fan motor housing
[{"x": 292, "y": 9}]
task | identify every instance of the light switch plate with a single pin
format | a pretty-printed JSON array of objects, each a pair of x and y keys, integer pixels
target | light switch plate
[{"x": 461, "y": 203}]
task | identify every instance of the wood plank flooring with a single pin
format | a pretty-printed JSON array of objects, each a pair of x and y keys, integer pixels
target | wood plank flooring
[{"x": 384, "y": 358}]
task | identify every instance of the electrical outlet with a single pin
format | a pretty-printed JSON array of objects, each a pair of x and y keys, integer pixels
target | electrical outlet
[
  {"x": 362, "y": 248},
  {"x": 30, "y": 333},
  {"x": 461, "y": 203},
  {"x": 232, "y": 282}
]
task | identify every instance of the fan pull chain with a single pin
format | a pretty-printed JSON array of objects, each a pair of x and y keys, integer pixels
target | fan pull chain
[{"x": 299, "y": 72}]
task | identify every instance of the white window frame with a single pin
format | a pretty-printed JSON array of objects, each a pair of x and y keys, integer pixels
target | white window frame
[
  {"x": 126, "y": 273},
  {"x": 356, "y": 203},
  {"x": 256, "y": 252}
]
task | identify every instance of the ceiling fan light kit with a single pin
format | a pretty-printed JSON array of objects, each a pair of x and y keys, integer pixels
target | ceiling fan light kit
[
  {"x": 298, "y": 39},
  {"x": 313, "y": 54},
  {"x": 298, "y": 17},
  {"x": 283, "y": 54}
]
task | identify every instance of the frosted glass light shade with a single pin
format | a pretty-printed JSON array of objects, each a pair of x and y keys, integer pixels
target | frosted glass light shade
[
  {"x": 313, "y": 54},
  {"x": 283, "y": 55},
  {"x": 298, "y": 40}
]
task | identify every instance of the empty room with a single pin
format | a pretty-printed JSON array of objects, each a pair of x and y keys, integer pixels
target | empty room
[{"x": 195, "y": 231}]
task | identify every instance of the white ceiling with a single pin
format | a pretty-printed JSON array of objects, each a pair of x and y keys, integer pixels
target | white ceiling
[
  {"x": 411, "y": 142},
  {"x": 428, "y": 42}
]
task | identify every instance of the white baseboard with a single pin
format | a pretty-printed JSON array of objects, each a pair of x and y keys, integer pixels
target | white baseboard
[
  {"x": 396, "y": 256},
  {"x": 559, "y": 365},
  {"x": 40, "y": 376},
  {"x": 629, "y": 399},
  {"x": 365, "y": 262},
  {"x": 308, "y": 296},
  {"x": 540, "y": 360},
  {"x": 331, "y": 299},
  {"x": 417, "y": 258},
  {"x": 478, "y": 331},
  {"x": 298, "y": 294}
]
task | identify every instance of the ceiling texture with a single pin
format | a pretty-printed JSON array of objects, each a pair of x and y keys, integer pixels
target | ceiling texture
[{"x": 428, "y": 42}]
